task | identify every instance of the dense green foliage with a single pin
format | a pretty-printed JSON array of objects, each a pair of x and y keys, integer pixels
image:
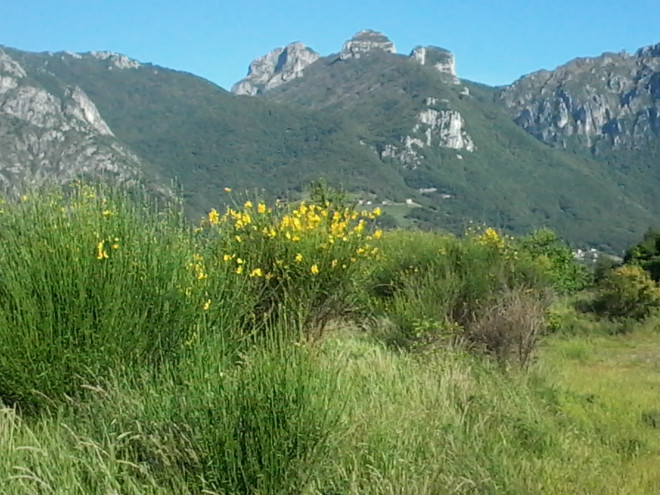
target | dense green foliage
[
  {"x": 136, "y": 357},
  {"x": 628, "y": 292},
  {"x": 646, "y": 254}
]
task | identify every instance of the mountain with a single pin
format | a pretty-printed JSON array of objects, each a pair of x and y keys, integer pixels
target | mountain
[
  {"x": 399, "y": 130},
  {"x": 600, "y": 103},
  {"x": 54, "y": 134},
  {"x": 177, "y": 125},
  {"x": 461, "y": 142}
]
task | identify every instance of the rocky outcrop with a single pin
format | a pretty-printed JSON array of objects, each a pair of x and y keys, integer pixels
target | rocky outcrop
[
  {"x": 440, "y": 59},
  {"x": 437, "y": 126},
  {"x": 82, "y": 108},
  {"x": 444, "y": 128},
  {"x": 50, "y": 138},
  {"x": 364, "y": 42},
  {"x": 9, "y": 66},
  {"x": 38, "y": 107},
  {"x": 610, "y": 101},
  {"x": 649, "y": 51},
  {"x": 276, "y": 68},
  {"x": 116, "y": 60}
]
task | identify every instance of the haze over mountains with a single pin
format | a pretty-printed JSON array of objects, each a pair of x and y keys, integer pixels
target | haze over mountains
[{"x": 576, "y": 149}]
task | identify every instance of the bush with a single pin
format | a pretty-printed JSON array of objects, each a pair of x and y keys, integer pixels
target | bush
[
  {"x": 510, "y": 329},
  {"x": 307, "y": 263},
  {"x": 627, "y": 292},
  {"x": 97, "y": 282},
  {"x": 555, "y": 259},
  {"x": 646, "y": 253},
  {"x": 434, "y": 286}
]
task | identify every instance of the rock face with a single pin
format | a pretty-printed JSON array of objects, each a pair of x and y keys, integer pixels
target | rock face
[
  {"x": 116, "y": 60},
  {"x": 439, "y": 58},
  {"x": 606, "y": 102},
  {"x": 45, "y": 137},
  {"x": 364, "y": 42},
  {"x": 436, "y": 126},
  {"x": 79, "y": 105},
  {"x": 276, "y": 68}
]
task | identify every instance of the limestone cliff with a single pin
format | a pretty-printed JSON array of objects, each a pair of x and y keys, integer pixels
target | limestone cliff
[
  {"x": 46, "y": 137},
  {"x": 604, "y": 102},
  {"x": 364, "y": 42},
  {"x": 440, "y": 59},
  {"x": 436, "y": 126},
  {"x": 275, "y": 68}
]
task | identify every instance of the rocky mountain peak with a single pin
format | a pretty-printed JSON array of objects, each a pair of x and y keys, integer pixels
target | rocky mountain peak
[
  {"x": 275, "y": 68},
  {"x": 439, "y": 58},
  {"x": 364, "y": 42},
  {"x": 9, "y": 66},
  {"x": 649, "y": 51},
  {"x": 605, "y": 102}
]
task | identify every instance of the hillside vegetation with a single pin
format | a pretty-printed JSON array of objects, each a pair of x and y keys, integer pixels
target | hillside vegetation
[
  {"x": 297, "y": 348},
  {"x": 348, "y": 121}
]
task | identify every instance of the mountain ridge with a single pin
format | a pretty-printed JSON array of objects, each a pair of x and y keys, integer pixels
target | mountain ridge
[{"x": 391, "y": 128}]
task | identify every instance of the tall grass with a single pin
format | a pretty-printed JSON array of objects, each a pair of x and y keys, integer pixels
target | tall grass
[
  {"x": 139, "y": 355},
  {"x": 96, "y": 281}
]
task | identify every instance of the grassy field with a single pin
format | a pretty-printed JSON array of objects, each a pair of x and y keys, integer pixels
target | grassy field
[{"x": 298, "y": 349}]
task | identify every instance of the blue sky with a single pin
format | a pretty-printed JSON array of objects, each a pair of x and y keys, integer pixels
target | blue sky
[{"x": 495, "y": 42}]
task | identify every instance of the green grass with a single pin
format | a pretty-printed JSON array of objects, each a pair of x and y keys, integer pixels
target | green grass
[{"x": 154, "y": 371}]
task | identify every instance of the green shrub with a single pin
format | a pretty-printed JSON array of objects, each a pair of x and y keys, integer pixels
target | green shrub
[
  {"x": 627, "y": 292},
  {"x": 306, "y": 263},
  {"x": 96, "y": 282},
  {"x": 259, "y": 425},
  {"x": 435, "y": 286},
  {"x": 646, "y": 253},
  {"x": 555, "y": 259}
]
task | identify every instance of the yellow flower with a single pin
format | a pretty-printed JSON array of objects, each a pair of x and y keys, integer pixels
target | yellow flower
[
  {"x": 214, "y": 217},
  {"x": 239, "y": 261},
  {"x": 299, "y": 258},
  {"x": 227, "y": 257},
  {"x": 207, "y": 304},
  {"x": 334, "y": 263},
  {"x": 378, "y": 234},
  {"x": 100, "y": 252},
  {"x": 256, "y": 273},
  {"x": 107, "y": 213},
  {"x": 239, "y": 270},
  {"x": 261, "y": 208},
  {"x": 270, "y": 232},
  {"x": 238, "y": 238},
  {"x": 227, "y": 189},
  {"x": 314, "y": 269},
  {"x": 377, "y": 212},
  {"x": 247, "y": 205}
]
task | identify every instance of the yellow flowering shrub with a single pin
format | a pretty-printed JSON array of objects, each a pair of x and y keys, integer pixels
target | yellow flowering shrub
[{"x": 311, "y": 255}]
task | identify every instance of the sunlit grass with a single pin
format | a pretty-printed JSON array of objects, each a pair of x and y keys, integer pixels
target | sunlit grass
[{"x": 140, "y": 356}]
